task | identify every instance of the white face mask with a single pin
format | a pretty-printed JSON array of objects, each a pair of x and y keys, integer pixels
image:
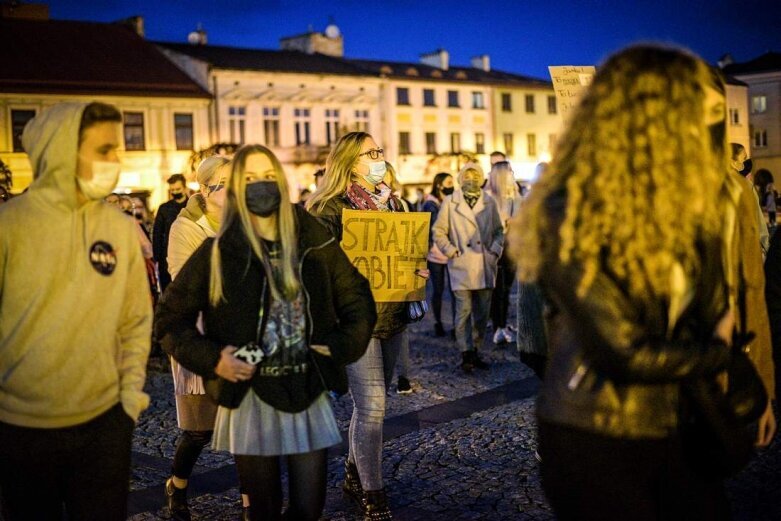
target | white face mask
[
  {"x": 104, "y": 179},
  {"x": 376, "y": 173}
]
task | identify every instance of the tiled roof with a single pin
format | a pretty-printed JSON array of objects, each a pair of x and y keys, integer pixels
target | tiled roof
[
  {"x": 55, "y": 56},
  {"x": 266, "y": 60},
  {"x": 768, "y": 62}
]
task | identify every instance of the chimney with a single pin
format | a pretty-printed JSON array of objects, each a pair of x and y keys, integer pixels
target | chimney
[
  {"x": 198, "y": 36},
  {"x": 439, "y": 59},
  {"x": 22, "y": 11},
  {"x": 482, "y": 62},
  {"x": 330, "y": 43},
  {"x": 134, "y": 23}
]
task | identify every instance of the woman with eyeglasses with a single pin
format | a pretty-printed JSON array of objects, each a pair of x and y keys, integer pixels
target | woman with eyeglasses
[
  {"x": 195, "y": 411},
  {"x": 354, "y": 179},
  {"x": 283, "y": 311}
]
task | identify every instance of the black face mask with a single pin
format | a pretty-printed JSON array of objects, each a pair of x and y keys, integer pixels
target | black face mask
[
  {"x": 262, "y": 198},
  {"x": 748, "y": 165},
  {"x": 448, "y": 191},
  {"x": 180, "y": 197},
  {"x": 718, "y": 135}
]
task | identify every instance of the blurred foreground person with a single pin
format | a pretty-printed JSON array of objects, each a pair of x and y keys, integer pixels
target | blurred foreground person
[
  {"x": 283, "y": 312},
  {"x": 641, "y": 304},
  {"x": 195, "y": 411},
  {"x": 75, "y": 319}
]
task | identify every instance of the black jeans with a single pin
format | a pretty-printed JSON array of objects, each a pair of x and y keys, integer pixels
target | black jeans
[
  {"x": 589, "y": 476},
  {"x": 438, "y": 278},
  {"x": 84, "y": 469},
  {"x": 188, "y": 448},
  {"x": 500, "y": 298}
]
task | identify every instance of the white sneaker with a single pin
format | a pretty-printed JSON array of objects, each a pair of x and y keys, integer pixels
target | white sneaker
[
  {"x": 509, "y": 336},
  {"x": 499, "y": 337}
]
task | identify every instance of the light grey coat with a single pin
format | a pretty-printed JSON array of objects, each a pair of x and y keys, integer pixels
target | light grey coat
[{"x": 471, "y": 238}]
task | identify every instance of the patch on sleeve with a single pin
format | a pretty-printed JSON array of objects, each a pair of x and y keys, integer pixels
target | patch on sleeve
[{"x": 103, "y": 258}]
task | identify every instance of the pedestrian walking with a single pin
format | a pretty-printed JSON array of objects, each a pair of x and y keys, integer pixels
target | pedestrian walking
[
  {"x": 470, "y": 233},
  {"x": 195, "y": 411},
  {"x": 441, "y": 187},
  {"x": 639, "y": 295},
  {"x": 354, "y": 179},
  {"x": 283, "y": 311},
  {"x": 75, "y": 324}
]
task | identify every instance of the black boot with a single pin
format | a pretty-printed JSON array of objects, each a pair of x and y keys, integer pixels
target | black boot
[
  {"x": 466, "y": 361},
  {"x": 375, "y": 506},
  {"x": 477, "y": 362},
  {"x": 352, "y": 482},
  {"x": 176, "y": 501}
]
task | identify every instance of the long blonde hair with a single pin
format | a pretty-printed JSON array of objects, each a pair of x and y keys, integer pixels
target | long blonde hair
[
  {"x": 642, "y": 178},
  {"x": 339, "y": 169},
  {"x": 236, "y": 208}
]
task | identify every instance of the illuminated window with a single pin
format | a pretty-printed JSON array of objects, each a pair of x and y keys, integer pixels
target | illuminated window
[
  {"x": 734, "y": 117},
  {"x": 530, "y": 103},
  {"x": 133, "y": 127},
  {"x": 19, "y": 119},
  {"x": 236, "y": 123},
  {"x": 758, "y": 104},
  {"x": 452, "y": 98},
  {"x": 508, "y": 144},
  {"x": 477, "y": 100},
  {"x": 271, "y": 126},
  {"x": 552, "y": 105},
  {"x": 760, "y": 138},
  {"x": 531, "y": 141},
  {"x": 404, "y": 147},
  {"x": 431, "y": 143},
  {"x": 331, "y": 126},
  {"x": 362, "y": 120},
  {"x": 479, "y": 143},
  {"x": 507, "y": 102},
  {"x": 455, "y": 142}
]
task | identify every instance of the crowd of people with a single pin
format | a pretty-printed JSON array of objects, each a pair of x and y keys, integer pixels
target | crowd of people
[{"x": 640, "y": 260}]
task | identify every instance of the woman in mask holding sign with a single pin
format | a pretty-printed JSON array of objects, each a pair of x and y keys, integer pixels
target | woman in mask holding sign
[
  {"x": 283, "y": 312},
  {"x": 355, "y": 170}
]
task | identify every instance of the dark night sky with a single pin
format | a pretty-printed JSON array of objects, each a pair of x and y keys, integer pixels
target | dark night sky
[{"x": 520, "y": 36}]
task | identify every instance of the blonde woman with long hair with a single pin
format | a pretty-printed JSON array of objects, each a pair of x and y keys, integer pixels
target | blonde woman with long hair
[
  {"x": 283, "y": 312},
  {"x": 624, "y": 235},
  {"x": 355, "y": 179}
]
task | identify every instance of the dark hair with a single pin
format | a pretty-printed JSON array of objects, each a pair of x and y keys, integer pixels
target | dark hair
[
  {"x": 436, "y": 185},
  {"x": 95, "y": 113},
  {"x": 176, "y": 178},
  {"x": 736, "y": 149},
  {"x": 497, "y": 153}
]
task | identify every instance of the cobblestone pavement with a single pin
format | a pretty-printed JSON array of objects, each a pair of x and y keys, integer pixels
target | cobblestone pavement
[{"x": 460, "y": 447}]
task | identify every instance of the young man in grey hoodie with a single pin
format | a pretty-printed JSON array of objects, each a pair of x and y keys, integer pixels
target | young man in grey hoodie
[{"x": 75, "y": 320}]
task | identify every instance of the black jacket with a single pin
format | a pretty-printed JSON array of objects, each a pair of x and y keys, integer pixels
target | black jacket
[
  {"x": 614, "y": 368},
  {"x": 391, "y": 316},
  {"x": 166, "y": 215},
  {"x": 339, "y": 305}
]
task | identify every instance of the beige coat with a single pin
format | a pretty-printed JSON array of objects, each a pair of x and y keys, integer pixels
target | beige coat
[{"x": 471, "y": 238}]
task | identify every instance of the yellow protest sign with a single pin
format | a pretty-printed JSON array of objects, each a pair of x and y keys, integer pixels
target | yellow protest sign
[
  {"x": 387, "y": 248},
  {"x": 569, "y": 83}
]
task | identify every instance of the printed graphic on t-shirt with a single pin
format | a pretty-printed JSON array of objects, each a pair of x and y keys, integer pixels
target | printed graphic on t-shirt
[{"x": 103, "y": 258}]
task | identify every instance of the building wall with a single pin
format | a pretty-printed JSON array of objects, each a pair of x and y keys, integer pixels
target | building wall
[
  {"x": 738, "y": 103},
  {"x": 769, "y": 86},
  {"x": 544, "y": 125},
  {"x": 141, "y": 170}
]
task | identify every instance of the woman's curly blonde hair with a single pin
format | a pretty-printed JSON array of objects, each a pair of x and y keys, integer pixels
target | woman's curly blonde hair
[{"x": 641, "y": 175}]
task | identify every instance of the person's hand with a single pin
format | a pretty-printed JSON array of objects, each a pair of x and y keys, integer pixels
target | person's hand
[
  {"x": 725, "y": 327},
  {"x": 767, "y": 427},
  {"x": 231, "y": 368},
  {"x": 456, "y": 253},
  {"x": 321, "y": 349},
  {"x": 423, "y": 273}
]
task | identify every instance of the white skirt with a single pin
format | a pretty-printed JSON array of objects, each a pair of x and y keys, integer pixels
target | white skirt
[{"x": 255, "y": 428}]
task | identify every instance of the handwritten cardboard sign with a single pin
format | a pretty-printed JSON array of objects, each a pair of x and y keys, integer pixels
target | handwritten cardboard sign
[
  {"x": 569, "y": 83},
  {"x": 387, "y": 248}
]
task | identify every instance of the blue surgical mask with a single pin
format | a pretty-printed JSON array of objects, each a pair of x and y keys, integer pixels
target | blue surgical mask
[{"x": 376, "y": 173}]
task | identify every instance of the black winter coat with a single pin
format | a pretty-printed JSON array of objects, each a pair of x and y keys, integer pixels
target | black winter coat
[
  {"x": 339, "y": 304},
  {"x": 391, "y": 316}
]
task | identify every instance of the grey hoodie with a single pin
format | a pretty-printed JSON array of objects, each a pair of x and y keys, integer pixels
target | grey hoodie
[{"x": 75, "y": 309}]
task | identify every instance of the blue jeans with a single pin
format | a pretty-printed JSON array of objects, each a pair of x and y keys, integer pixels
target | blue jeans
[
  {"x": 471, "y": 317},
  {"x": 368, "y": 378}
]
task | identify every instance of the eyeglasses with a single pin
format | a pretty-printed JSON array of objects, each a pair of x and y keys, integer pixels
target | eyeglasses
[
  {"x": 216, "y": 188},
  {"x": 374, "y": 153}
]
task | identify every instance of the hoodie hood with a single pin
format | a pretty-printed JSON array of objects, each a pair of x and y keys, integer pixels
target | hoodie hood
[
  {"x": 51, "y": 140},
  {"x": 194, "y": 208}
]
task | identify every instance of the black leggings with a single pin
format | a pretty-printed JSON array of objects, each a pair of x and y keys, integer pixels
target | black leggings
[
  {"x": 500, "y": 298},
  {"x": 438, "y": 278},
  {"x": 188, "y": 448},
  {"x": 260, "y": 478}
]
